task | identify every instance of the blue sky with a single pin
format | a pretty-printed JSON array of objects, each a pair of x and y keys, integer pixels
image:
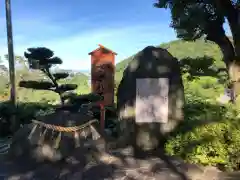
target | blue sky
[{"x": 74, "y": 28}]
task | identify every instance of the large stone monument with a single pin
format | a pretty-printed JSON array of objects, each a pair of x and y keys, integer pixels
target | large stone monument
[{"x": 150, "y": 98}]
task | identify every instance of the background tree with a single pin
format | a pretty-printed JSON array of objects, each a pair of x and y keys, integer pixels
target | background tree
[
  {"x": 4, "y": 83},
  {"x": 193, "y": 19},
  {"x": 21, "y": 67},
  {"x": 43, "y": 59}
]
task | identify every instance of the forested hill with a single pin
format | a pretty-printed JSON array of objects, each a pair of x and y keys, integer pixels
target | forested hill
[{"x": 184, "y": 49}]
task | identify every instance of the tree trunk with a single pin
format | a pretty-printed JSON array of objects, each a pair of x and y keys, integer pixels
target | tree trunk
[
  {"x": 236, "y": 39},
  {"x": 216, "y": 33},
  {"x": 231, "y": 53},
  {"x": 233, "y": 67},
  {"x": 232, "y": 13}
]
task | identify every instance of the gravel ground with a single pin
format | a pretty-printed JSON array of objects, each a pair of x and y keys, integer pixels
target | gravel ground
[{"x": 83, "y": 166}]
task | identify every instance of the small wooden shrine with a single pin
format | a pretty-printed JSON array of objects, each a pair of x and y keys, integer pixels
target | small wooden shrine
[{"x": 102, "y": 73}]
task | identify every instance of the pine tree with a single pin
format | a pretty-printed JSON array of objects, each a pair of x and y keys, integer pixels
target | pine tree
[{"x": 43, "y": 59}]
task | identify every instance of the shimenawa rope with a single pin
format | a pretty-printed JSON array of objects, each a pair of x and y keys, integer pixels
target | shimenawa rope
[{"x": 60, "y": 129}]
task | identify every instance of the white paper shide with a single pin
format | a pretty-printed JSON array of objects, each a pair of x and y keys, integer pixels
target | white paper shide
[{"x": 152, "y": 100}]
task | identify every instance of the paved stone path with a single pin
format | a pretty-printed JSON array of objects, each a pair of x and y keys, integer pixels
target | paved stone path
[{"x": 82, "y": 167}]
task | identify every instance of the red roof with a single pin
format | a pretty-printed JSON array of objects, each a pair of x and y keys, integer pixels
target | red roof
[{"x": 102, "y": 47}]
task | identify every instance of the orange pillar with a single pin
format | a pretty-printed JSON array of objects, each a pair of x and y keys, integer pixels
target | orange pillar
[
  {"x": 102, "y": 73},
  {"x": 102, "y": 77}
]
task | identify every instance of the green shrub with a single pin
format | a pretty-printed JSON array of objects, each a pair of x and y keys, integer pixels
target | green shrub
[
  {"x": 210, "y": 133},
  {"x": 24, "y": 112}
]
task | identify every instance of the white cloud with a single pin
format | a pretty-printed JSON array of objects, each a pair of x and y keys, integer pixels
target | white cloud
[{"x": 74, "y": 47}]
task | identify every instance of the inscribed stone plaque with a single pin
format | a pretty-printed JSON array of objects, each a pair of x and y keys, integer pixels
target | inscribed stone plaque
[{"x": 152, "y": 100}]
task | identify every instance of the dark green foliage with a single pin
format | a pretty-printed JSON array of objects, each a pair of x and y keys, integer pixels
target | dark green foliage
[
  {"x": 192, "y": 19},
  {"x": 77, "y": 101},
  {"x": 4, "y": 82},
  {"x": 39, "y": 54},
  {"x": 65, "y": 87},
  {"x": 69, "y": 95},
  {"x": 36, "y": 85},
  {"x": 53, "y": 61},
  {"x": 198, "y": 66},
  {"x": 204, "y": 135},
  {"x": 62, "y": 75},
  {"x": 42, "y": 59},
  {"x": 24, "y": 112},
  {"x": 210, "y": 135},
  {"x": 89, "y": 97}
]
